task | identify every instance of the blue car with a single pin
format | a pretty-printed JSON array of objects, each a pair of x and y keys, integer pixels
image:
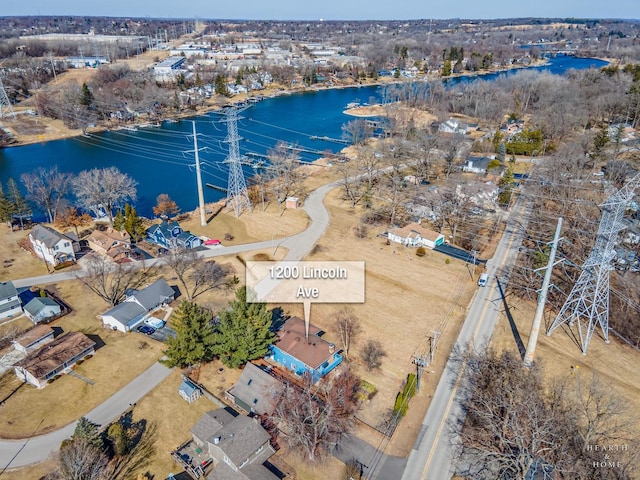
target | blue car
[{"x": 146, "y": 329}]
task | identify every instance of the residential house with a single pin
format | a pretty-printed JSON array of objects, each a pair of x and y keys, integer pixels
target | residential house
[
  {"x": 415, "y": 235},
  {"x": 52, "y": 246},
  {"x": 42, "y": 309},
  {"x": 453, "y": 126},
  {"x": 313, "y": 356},
  {"x": 113, "y": 243},
  {"x": 34, "y": 338},
  {"x": 137, "y": 306},
  {"x": 476, "y": 164},
  {"x": 54, "y": 358},
  {"x": 170, "y": 235},
  {"x": 238, "y": 445},
  {"x": 481, "y": 194},
  {"x": 256, "y": 391},
  {"x": 9, "y": 300}
]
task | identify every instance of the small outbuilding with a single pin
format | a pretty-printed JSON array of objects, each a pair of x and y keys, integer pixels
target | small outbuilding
[
  {"x": 292, "y": 203},
  {"x": 189, "y": 391}
]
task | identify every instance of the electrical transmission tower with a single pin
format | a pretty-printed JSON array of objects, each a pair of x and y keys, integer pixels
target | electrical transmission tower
[
  {"x": 237, "y": 195},
  {"x": 588, "y": 303},
  {"x": 5, "y": 104}
]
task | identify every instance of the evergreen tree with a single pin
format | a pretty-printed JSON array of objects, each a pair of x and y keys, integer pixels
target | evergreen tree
[
  {"x": 5, "y": 206},
  {"x": 18, "y": 205},
  {"x": 133, "y": 223},
  {"x": 244, "y": 332},
  {"x": 506, "y": 190},
  {"x": 195, "y": 336},
  {"x": 446, "y": 68},
  {"x": 119, "y": 435},
  {"x": 501, "y": 153},
  {"x": 220, "y": 86},
  {"x": 86, "y": 97},
  {"x": 118, "y": 221},
  {"x": 88, "y": 431}
]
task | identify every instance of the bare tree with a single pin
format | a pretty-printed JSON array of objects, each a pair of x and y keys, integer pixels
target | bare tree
[
  {"x": 347, "y": 326},
  {"x": 165, "y": 207},
  {"x": 69, "y": 217},
  {"x": 372, "y": 354},
  {"x": 46, "y": 188},
  {"x": 191, "y": 269},
  {"x": 357, "y": 131},
  {"x": 79, "y": 460},
  {"x": 315, "y": 419},
  {"x": 285, "y": 175},
  {"x": 104, "y": 188},
  {"x": 109, "y": 280}
]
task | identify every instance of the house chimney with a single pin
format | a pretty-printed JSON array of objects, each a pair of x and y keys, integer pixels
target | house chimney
[{"x": 332, "y": 348}]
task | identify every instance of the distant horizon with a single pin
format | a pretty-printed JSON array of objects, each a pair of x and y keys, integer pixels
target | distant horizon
[
  {"x": 151, "y": 17},
  {"x": 329, "y": 10}
]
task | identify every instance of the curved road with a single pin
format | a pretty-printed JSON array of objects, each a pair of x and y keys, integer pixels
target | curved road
[{"x": 20, "y": 453}]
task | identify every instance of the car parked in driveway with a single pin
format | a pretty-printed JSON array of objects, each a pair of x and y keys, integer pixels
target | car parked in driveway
[
  {"x": 146, "y": 329},
  {"x": 212, "y": 241}
]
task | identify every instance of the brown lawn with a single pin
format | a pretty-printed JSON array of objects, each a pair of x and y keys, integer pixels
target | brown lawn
[{"x": 14, "y": 261}]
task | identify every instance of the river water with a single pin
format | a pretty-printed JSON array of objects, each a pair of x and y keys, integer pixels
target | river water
[{"x": 160, "y": 160}]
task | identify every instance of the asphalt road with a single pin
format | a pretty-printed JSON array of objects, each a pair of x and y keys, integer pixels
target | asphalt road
[{"x": 435, "y": 448}]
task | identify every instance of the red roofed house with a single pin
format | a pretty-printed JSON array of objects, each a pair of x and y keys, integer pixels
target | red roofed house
[
  {"x": 314, "y": 356},
  {"x": 415, "y": 235}
]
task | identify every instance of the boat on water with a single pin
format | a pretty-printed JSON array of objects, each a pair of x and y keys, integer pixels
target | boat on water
[{"x": 129, "y": 128}]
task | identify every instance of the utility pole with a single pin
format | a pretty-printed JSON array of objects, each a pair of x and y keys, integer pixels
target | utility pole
[
  {"x": 422, "y": 361},
  {"x": 542, "y": 299},
  {"x": 196, "y": 150}
]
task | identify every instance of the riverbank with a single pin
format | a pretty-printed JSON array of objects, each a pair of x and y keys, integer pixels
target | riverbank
[{"x": 28, "y": 128}]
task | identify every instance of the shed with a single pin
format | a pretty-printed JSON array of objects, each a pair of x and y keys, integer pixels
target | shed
[
  {"x": 292, "y": 202},
  {"x": 189, "y": 391}
]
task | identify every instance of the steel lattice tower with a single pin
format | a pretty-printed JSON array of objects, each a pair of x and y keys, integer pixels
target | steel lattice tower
[
  {"x": 237, "y": 196},
  {"x": 4, "y": 101},
  {"x": 588, "y": 303}
]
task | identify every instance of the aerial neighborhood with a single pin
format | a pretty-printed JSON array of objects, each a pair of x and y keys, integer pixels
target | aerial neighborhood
[{"x": 484, "y": 172}]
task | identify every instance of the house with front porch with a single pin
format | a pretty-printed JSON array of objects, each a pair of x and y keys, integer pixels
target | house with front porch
[
  {"x": 54, "y": 358},
  {"x": 170, "y": 235},
  {"x": 311, "y": 356},
  {"x": 9, "y": 301},
  {"x": 415, "y": 235},
  {"x": 137, "y": 306},
  {"x": 238, "y": 445},
  {"x": 52, "y": 246}
]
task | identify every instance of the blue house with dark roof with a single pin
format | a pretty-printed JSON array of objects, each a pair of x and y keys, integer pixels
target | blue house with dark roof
[{"x": 171, "y": 235}]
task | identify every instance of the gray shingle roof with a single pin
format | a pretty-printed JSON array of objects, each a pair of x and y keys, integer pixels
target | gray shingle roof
[
  {"x": 37, "y": 304},
  {"x": 7, "y": 290},
  {"x": 240, "y": 438},
  {"x": 210, "y": 423},
  {"x": 125, "y": 312},
  {"x": 47, "y": 235},
  {"x": 154, "y": 294},
  {"x": 257, "y": 389}
]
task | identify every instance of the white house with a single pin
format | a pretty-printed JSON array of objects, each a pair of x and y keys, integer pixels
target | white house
[
  {"x": 33, "y": 339},
  {"x": 476, "y": 164},
  {"x": 42, "y": 309},
  {"x": 52, "y": 246},
  {"x": 9, "y": 301},
  {"x": 453, "y": 126},
  {"x": 135, "y": 308},
  {"x": 415, "y": 235}
]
